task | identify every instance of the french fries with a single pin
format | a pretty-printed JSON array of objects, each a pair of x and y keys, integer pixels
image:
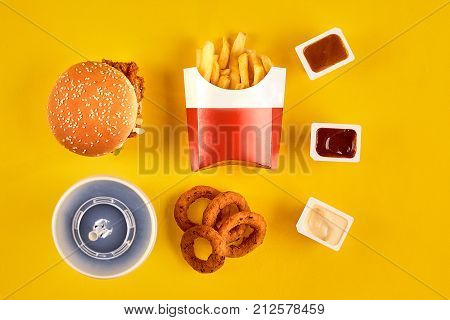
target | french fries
[
  {"x": 215, "y": 73},
  {"x": 224, "y": 54},
  {"x": 240, "y": 86},
  {"x": 267, "y": 63},
  {"x": 236, "y": 50},
  {"x": 231, "y": 67},
  {"x": 207, "y": 60},
  {"x": 224, "y": 82},
  {"x": 256, "y": 67},
  {"x": 243, "y": 69}
]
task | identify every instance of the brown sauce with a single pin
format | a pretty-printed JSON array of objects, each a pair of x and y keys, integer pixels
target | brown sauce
[
  {"x": 336, "y": 143},
  {"x": 326, "y": 52}
]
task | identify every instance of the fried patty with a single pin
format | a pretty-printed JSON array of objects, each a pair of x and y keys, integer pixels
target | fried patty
[{"x": 130, "y": 70}]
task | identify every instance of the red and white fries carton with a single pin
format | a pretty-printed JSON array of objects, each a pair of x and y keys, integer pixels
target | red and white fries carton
[{"x": 234, "y": 126}]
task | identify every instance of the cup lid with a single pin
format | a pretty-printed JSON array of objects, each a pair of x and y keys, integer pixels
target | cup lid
[{"x": 104, "y": 227}]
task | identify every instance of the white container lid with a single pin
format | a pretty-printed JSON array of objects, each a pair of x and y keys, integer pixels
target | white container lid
[{"x": 120, "y": 215}]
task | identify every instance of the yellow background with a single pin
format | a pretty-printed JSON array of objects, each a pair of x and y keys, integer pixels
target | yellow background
[{"x": 398, "y": 193}]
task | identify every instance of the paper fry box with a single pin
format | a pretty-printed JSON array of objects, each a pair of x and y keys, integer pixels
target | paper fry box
[{"x": 234, "y": 126}]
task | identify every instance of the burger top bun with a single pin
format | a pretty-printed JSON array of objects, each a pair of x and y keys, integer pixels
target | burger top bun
[{"x": 92, "y": 109}]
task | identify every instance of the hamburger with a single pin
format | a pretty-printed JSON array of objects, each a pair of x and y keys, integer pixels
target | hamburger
[{"x": 95, "y": 107}]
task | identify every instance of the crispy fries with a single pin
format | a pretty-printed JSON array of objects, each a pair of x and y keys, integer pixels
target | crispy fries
[
  {"x": 238, "y": 45},
  {"x": 243, "y": 69},
  {"x": 256, "y": 67},
  {"x": 267, "y": 63},
  {"x": 240, "y": 86},
  {"x": 224, "y": 82},
  {"x": 236, "y": 50},
  {"x": 207, "y": 60},
  {"x": 224, "y": 54},
  {"x": 232, "y": 67},
  {"x": 215, "y": 73},
  {"x": 259, "y": 74}
]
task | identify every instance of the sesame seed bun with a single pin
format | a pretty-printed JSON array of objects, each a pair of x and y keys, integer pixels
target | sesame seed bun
[{"x": 92, "y": 109}]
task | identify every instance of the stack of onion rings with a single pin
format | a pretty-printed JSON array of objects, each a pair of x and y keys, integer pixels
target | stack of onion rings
[{"x": 231, "y": 234}]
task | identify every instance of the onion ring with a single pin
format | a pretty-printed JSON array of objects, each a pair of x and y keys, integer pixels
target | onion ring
[
  {"x": 216, "y": 212},
  {"x": 236, "y": 234},
  {"x": 186, "y": 199},
  {"x": 215, "y": 260},
  {"x": 248, "y": 244},
  {"x": 221, "y": 201}
]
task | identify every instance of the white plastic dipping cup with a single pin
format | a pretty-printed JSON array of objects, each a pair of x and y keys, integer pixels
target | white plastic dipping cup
[
  {"x": 300, "y": 49},
  {"x": 324, "y": 224}
]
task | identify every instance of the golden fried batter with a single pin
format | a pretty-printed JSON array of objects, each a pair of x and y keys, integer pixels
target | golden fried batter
[{"x": 130, "y": 70}]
